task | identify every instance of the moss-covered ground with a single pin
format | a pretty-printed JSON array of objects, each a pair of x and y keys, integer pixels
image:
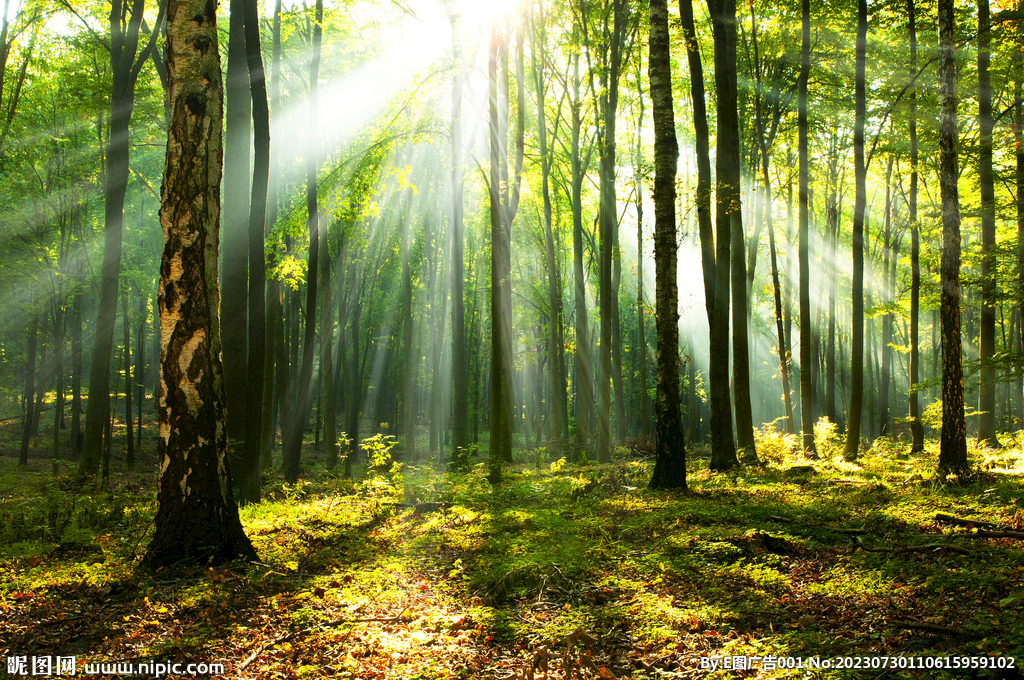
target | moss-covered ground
[{"x": 567, "y": 569}]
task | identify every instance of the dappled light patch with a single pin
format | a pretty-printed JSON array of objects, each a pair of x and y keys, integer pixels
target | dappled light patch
[{"x": 570, "y": 568}]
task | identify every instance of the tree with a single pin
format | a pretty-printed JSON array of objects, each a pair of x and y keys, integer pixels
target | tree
[
  {"x": 860, "y": 201},
  {"x": 292, "y": 448},
  {"x": 729, "y": 236},
  {"x": 249, "y": 485},
  {"x": 504, "y": 203},
  {"x": 126, "y": 62},
  {"x": 987, "y": 341},
  {"x": 234, "y": 320},
  {"x": 670, "y": 463},
  {"x": 806, "y": 385},
  {"x": 196, "y": 519},
  {"x": 460, "y": 360},
  {"x": 916, "y": 429},
  {"x": 953, "y": 441}
]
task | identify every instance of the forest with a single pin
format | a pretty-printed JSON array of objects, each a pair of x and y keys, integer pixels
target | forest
[{"x": 512, "y": 339}]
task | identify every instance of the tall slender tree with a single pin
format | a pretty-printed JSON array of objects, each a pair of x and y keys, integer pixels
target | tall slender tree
[
  {"x": 126, "y": 61},
  {"x": 293, "y": 441},
  {"x": 806, "y": 384},
  {"x": 729, "y": 247},
  {"x": 953, "y": 440},
  {"x": 853, "y": 424},
  {"x": 256, "y": 285},
  {"x": 916, "y": 429},
  {"x": 234, "y": 319},
  {"x": 670, "y": 464},
  {"x": 986, "y": 186}
]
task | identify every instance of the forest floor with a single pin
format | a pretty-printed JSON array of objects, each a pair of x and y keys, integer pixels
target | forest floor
[{"x": 566, "y": 570}]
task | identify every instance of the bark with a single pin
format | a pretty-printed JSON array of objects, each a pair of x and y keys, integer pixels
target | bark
[
  {"x": 408, "y": 418},
  {"x": 806, "y": 386},
  {"x": 126, "y": 61},
  {"x": 887, "y": 320},
  {"x": 640, "y": 323},
  {"x": 832, "y": 234},
  {"x": 670, "y": 462},
  {"x": 501, "y": 268},
  {"x": 127, "y": 356},
  {"x": 197, "y": 520},
  {"x": 916, "y": 429},
  {"x": 293, "y": 443},
  {"x": 608, "y": 227},
  {"x": 276, "y": 360},
  {"x": 729, "y": 240},
  {"x": 953, "y": 441},
  {"x": 857, "y": 305},
  {"x": 30, "y": 389},
  {"x": 1018, "y": 140},
  {"x": 76, "y": 369},
  {"x": 579, "y": 165},
  {"x": 559, "y": 406},
  {"x": 249, "y": 482},
  {"x": 987, "y": 341},
  {"x": 722, "y": 443},
  {"x": 140, "y": 366},
  {"x": 328, "y": 410},
  {"x": 460, "y": 359},
  {"x": 234, "y": 277}
]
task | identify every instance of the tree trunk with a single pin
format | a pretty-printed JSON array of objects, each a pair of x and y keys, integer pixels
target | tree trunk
[
  {"x": 293, "y": 445},
  {"x": 857, "y": 304},
  {"x": 1018, "y": 140},
  {"x": 127, "y": 355},
  {"x": 806, "y": 386},
  {"x": 197, "y": 520},
  {"x": 140, "y": 367},
  {"x": 125, "y": 25},
  {"x": 888, "y": 250},
  {"x": 234, "y": 277},
  {"x": 460, "y": 358},
  {"x": 30, "y": 389},
  {"x": 76, "y": 370},
  {"x": 581, "y": 359},
  {"x": 670, "y": 462},
  {"x": 607, "y": 107},
  {"x": 559, "y": 406},
  {"x": 730, "y": 242},
  {"x": 501, "y": 268},
  {"x": 276, "y": 360},
  {"x": 408, "y": 418},
  {"x": 641, "y": 351},
  {"x": 916, "y": 429},
  {"x": 987, "y": 395},
  {"x": 953, "y": 441}
]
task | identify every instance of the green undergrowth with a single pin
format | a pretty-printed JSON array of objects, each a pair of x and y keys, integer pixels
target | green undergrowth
[{"x": 410, "y": 570}]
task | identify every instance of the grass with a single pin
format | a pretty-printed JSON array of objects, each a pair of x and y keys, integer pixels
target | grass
[{"x": 567, "y": 566}]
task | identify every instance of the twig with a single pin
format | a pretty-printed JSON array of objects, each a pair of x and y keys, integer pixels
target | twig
[
  {"x": 838, "y": 530},
  {"x": 960, "y": 522},
  {"x": 261, "y": 648},
  {"x": 858, "y": 543},
  {"x": 934, "y": 627}
]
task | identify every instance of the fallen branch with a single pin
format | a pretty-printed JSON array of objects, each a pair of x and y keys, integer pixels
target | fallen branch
[
  {"x": 933, "y": 627},
  {"x": 961, "y": 522},
  {"x": 981, "y": 533},
  {"x": 858, "y": 543},
  {"x": 838, "y": 530}
]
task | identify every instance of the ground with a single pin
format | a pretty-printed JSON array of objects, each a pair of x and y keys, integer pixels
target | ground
[{"x": 568, "y": 569}]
